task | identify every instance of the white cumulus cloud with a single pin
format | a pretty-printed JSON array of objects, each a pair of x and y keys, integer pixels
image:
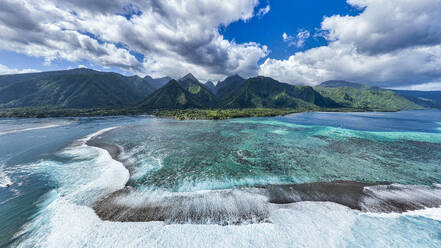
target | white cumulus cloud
[
  {"x": 390, "y": 43},
  {"x": 146, "y": 37},
  {"x": 6, "y": 70}
]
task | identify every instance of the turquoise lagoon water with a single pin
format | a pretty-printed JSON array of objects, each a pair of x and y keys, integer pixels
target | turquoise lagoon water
[{"x": 50, "y": 178}]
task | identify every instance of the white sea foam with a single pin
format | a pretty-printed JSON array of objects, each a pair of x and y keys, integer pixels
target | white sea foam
[
  {"x": 92, "y": 175},
  {"x": 5, "y": 180},
  {"x": 108, "y": 176},
  {"x": 280, "y": 131},
  {"x": 51, "y": 125},
  {"x": 102, "y": 131},
  {"x": 303, "y": 224},
  {"x": 69, "y": 225},
  {"x": 430, "y": 213}
]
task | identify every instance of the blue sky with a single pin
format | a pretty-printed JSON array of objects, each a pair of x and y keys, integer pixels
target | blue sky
[
  {"x": 286, "y": 17},
  {"x": 394, "y": 43}
]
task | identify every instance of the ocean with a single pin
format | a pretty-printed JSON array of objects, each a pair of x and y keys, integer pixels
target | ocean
[{"x": 303, "y": 180}]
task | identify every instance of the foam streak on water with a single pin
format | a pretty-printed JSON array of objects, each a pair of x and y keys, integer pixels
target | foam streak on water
[
  {"x": 5, "y": 181},
  {"x": 35, "y": 127}
]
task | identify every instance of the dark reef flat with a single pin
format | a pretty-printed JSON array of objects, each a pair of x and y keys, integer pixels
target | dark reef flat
[
  {"x": 253, "y": 204},
  {"x": 383, "y": 198}
]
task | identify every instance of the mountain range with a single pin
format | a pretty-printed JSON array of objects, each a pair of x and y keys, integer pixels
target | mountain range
[
  {"x": 265, "y": 92},
  {"x": 363, "y": 97},
  {"x": 78, "y": 88},
  {"x": 85, "y": 89}
]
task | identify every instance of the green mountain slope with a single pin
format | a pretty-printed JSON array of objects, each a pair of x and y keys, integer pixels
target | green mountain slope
[
  {"x": 210, "y": 85},
  {"x": 266, "y": 92},
  {"x": 171, "y": 96},
  {"x": 428, "y": 99},
  {"x": 364, "y": 97},
  {"x": 78, "y": 88},
  {"x": 198, "y": 90},
  {"x": 227, "y": 86},
  {"x": 157, "y": 83}
]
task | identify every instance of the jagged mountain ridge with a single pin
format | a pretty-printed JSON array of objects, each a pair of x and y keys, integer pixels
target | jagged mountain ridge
[
  {"x": 171, "y": 96},
  {"x": 85, "y": 88}
]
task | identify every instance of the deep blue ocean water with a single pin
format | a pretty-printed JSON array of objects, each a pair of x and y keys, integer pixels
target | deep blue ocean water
[{"x": 49, "y": 177}]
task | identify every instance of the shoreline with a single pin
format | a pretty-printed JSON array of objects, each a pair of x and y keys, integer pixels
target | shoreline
[
  {"x": 179, "y": 114},
  {"x": 180, "y": 208}
]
